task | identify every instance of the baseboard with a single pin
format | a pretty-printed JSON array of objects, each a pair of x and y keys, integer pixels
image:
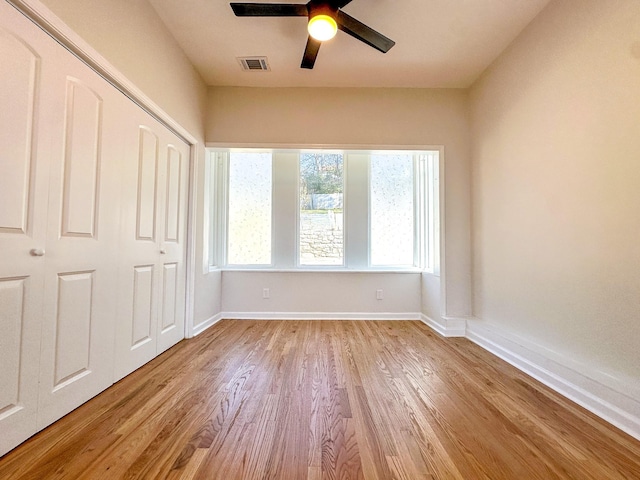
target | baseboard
[
  {"x": 604, "y": 400},
  {"x": 201, "y": 327},
  {"x": 320, "y": 316},
  {"x": 446, "y": 326}
]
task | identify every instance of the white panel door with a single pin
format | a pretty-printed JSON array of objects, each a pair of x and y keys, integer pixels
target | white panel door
[
  {"x": 23, "y": 207},
  {"x": 151, "y": 278},
  {"x": 136, "y": 332},
  {"x": 73, "y": 149},
  {"x": 171, "y": 313},
  {"x": 80, "y": 288}
]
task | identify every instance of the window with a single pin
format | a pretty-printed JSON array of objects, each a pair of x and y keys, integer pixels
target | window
[
  {"x": 404, "y": 216},
  {"x": 292, "y": 209},
  {"x": 320, "y": 235},
  {"x": 249, "y": 209},
  {"x": 392, "y": 209}
]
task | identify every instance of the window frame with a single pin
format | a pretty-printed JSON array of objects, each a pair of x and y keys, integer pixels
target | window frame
[{"x": 285, "y": 231}]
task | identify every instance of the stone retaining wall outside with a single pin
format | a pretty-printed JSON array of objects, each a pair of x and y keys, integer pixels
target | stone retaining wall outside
[{"x": 321, "y": 238}]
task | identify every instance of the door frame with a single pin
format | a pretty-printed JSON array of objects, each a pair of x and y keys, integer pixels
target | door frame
[{"x": 51, "y": 24}]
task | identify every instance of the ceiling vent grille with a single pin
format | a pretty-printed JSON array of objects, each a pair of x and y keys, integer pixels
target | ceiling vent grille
[{"x": 254, "y": 64}]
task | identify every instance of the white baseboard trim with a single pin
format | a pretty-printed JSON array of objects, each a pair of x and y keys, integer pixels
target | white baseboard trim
[
  {"x": 446, "y": 326},
  {"x": 202, "y": 326},
  {"x": 606, "y": 401},
  {"x": 320, "y": 316}
]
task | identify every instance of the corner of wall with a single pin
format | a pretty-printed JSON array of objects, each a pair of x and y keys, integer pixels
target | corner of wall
[{"x": 446, "y": 326}]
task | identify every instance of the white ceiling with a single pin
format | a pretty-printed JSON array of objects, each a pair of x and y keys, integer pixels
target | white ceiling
[{"x": 439, "y": 43}]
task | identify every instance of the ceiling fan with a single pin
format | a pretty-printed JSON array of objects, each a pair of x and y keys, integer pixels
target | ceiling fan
[{"x": 324, "y": 16}]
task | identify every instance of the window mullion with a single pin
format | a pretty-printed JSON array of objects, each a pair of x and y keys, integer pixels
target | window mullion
[
  {"x": 419, "y": 212},
  {"x": 356, "y": 211},
  {"x": 285, "y": 206},
  {"x": 222, "y": 164}
]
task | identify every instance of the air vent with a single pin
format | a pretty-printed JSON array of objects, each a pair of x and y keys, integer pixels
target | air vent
[{"x": 254, "y": 64}]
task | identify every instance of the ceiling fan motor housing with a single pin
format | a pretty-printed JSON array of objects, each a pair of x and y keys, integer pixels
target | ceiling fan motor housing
[{"x": 320, "y": 8}]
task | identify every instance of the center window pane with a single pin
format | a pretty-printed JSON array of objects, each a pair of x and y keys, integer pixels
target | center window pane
[{"x": 321, "y": 235}]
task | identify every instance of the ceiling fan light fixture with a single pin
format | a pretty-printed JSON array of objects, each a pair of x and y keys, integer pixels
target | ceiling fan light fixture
[{"x": 322, "y": 27}]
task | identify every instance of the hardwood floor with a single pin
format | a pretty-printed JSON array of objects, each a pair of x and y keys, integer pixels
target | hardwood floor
[{"x": 326, "y": 400}]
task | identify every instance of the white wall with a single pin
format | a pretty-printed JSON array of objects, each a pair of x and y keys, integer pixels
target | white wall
[
  {"x": 556, "y": 196},
  {"x": 325, "y": 293},
  {"x": 131, "y": 36},
  {"x": 364, "y": 117}
]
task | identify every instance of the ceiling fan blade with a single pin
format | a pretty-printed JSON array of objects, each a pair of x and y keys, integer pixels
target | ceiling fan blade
[
  {"x": 363, "y": 33},
  {"x": 310, "y": 53},
  {"x": 269, "y": 9}
]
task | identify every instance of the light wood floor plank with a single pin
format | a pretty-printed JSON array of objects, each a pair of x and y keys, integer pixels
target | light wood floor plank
[{"x": 294, "y": 400}]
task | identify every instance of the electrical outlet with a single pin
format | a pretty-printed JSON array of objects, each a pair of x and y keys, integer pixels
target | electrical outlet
[
  {"x": 379, "y": 294},
  {"x": 266, "y": 293}
]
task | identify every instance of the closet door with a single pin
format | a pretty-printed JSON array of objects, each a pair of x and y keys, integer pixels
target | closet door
[
  {"x": 23, "y": 205},
  {"x": 171, "y": 312},
  {"x": 73, "y": 149},
  {"x": 80, "y": 290},
  {"x": 151, "y": 303},
  {"x": 171, "y": 320}
]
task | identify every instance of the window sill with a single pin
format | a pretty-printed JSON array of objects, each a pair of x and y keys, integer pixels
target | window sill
[{"x": 321, "y": 270}]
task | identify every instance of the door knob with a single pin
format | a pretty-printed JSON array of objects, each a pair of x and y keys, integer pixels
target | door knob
[
  {"x": 37, "y": 252},
  {"x": 163, "y": 251}
]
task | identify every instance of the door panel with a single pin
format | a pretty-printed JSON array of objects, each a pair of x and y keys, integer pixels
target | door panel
[
  {"x": 82, "y": 135},
  {"x": 169, "y": 292},
  {"x": 73, "y": 327},
  {"x": 138, "y": 274},
  {"x": 143, "y": 310},
  {"x": 80, "y": 289},
  {"x": 173, "y": 193},
  {"x": 151, "y": 303},
  {"x": 173, "y": 250},
  {"x": 12, "y": 307},
  {"x": 147, "y": 182},
  {"x": 23, "y": 204},
  {"x": 19, "y": 79}
]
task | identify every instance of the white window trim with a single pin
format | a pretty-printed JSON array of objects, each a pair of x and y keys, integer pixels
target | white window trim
[
  {"x": 208, "y": 221},
  {"x": 215, "y": 189}
]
